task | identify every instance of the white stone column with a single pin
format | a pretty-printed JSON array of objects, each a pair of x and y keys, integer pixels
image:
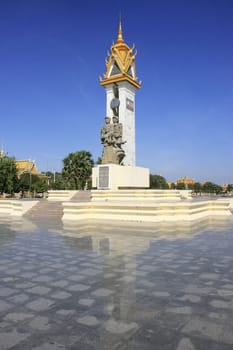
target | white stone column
[{"x": 126, "y": 117}]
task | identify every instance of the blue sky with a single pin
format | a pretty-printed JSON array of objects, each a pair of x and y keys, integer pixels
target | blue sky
[{"x": 51, "y": 103}]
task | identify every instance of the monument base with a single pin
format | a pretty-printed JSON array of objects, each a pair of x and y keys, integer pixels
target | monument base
[{"x": 114, "y": 177}]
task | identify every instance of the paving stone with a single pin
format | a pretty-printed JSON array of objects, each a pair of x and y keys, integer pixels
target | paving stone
[
  {"x": 209, "y": 276},
  {"x": 76, "y": 278},
  {"x": 9, "y": 279},
  {"x": 185, "y": 310},
  {"x": 60, "y": 283},
  {"x": 217, "y": 316},
  {"x": 43, "y": 278},
  {"x": 40, "y": 323},
  {"x": 142, "y": 273},
  {"x": 185, "y": 344},
  {"x": 25, "y": 285},
  {"x": 225, "y": 292},
  {"x": 13, "y": 271},
  {"x": 39, "y": 290},
  {"x": 50, "y": 346},
  {"x": 228, "y": 285},
  {"x": 127, "y": 279},
  {"x": 86, "y": 302},
  {"x": 4, "y": 306},
  {"x": 88, "y": 320},
  {"x": 119, "y": 327},
  {"x": 90, "y": 272},
  {"x": 5, "y": 292},
  {"x": 17, "y": 316},
  {"x": 161, "y": 294},
  {"x": 28, "y": 275},
  {"x": 190, "y": 297},
  {"x": 40, "y": 304},
  {"x": 109, "y": 275},
  {"x": 102, "y": 292},
  {"x": 65, "y": 312},
  {"x": 148, "y": 268},
  {"x": 12, "y": 338},
  {"x": 19, "y": 298},
  {"x": 60, "y": 295},
  {"x": 4, "y": 325},
  {"x": 78, "y": 287},
  {"x": 211, "y": 330},
  {"x": 46, "y": 270},
  {"x": 219, "y": 304},
  {"x": 194, "y": 289}
]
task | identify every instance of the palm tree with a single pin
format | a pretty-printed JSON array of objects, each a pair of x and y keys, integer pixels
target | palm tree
[{"x": 77, "y": 169}]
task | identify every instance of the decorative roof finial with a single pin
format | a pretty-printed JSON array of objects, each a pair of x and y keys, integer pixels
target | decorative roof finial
[{"x": 120, "y": 36}]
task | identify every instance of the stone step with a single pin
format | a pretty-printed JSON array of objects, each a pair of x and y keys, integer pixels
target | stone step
[
  {"x": 45, "y": 209},
  {"x": 82, "y": 196},
  {"x": 46, "y": 215}
]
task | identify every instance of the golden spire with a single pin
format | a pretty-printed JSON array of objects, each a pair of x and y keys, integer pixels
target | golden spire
[{"x": 120, "y": 36}]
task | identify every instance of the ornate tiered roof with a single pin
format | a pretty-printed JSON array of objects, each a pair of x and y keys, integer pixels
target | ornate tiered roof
[
  {"x": 27, "y": 166},
  {"x": 120, "y": 64}
]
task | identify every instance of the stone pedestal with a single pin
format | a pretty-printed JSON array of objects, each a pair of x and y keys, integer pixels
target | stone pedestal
[{"x": 114, "y": 177}]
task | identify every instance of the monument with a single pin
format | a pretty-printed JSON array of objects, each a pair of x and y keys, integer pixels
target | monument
[
  {"x": 120, "y": 188},
  {"x": 118, "y": 169}
]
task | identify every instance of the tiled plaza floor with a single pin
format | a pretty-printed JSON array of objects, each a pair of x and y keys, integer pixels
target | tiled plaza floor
[{"x": 114, "y": 286}]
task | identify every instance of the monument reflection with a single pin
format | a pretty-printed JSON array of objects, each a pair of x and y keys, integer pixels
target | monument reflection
[
  {"x": 112, "y": 238},
  {"x": 99, "y": 284}
]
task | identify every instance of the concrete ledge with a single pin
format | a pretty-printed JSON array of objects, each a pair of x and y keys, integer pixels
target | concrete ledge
[
  {"x": 16, "y": 207},
  {"x": 145, "y": 212}
]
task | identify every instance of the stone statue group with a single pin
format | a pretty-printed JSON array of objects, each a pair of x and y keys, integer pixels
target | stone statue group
[
  {"x": 111, "y": 138},
  {"x": 111, "y": 134}
]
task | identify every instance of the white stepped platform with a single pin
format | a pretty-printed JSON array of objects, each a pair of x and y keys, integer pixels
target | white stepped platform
[
  {"x": 145, "y": 211},
  {"x": 135, "y": 195},
  {"x": 16, "y": 207}
]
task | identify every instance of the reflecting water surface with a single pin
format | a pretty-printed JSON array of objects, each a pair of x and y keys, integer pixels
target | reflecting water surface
[{"x": 106, "y": 285}]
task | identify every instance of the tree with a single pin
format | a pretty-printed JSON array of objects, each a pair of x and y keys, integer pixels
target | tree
[
  {"x": 25, "y": 182},
  {"x": 158, "y": 181},
  {"x": 99, "y": 160},
  {"x": 190, "y": 186},
  {"x": 39, "y": 185},
  {"x": 77, "y": 169},
  {"x": 210, "y": 187},
  {"x": 229, "y": 188},
  {"x": 173, "y": 186},
  {"x": 8, "y": 175},
  {"x": 197, "y": 187},
  {"x": 180, "y": 186},
  {"x": 32, "y": 183},
  {"x": 55, "y": 181}
]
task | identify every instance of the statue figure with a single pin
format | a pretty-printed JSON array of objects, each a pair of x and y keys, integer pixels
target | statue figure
[
  {"x": 117, "y": 132},
  {"x": 106, "y": 132},
  {"x": 115, "y": 103},
  {"x": 117, "y": 137},
  {"x": 111, "y": 138}
]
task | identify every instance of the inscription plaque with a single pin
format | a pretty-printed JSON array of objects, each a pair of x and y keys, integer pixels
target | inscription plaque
[
  {"x": 104, "y": 177},
  {"x": 129, "y": 104}
]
